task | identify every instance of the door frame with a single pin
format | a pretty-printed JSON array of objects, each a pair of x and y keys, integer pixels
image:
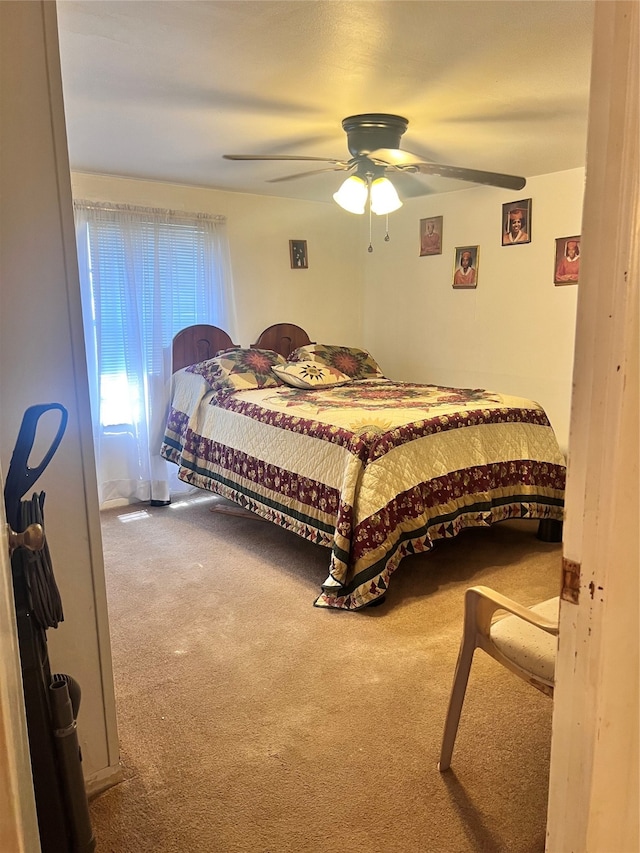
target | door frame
[{"x": 593, "y": 785}]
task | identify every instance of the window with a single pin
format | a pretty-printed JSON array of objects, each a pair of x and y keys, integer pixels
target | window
[
  {"x": 166, "y": 265},
  {"x": 144, "y": 275}
]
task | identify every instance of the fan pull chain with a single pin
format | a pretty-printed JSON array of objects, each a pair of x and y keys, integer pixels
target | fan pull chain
[
  {"x": 370, "y": 249},
  {"x": 386, "y": 236}
]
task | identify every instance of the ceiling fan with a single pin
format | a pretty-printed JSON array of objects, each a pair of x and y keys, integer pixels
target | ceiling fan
[{"x": 373, "y": 140}]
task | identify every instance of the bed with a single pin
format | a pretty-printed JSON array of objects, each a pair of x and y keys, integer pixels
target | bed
[{"x": 372, "y": 469}]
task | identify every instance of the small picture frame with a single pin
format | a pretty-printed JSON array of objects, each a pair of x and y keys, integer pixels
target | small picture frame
[
  {"x": 431, "y": 236},
  {"x": 465, "y": 267},
  {"x": 298, "y": 254},
  {"x": 566, "y": 269},
  {"x": 516, "y": 222}
]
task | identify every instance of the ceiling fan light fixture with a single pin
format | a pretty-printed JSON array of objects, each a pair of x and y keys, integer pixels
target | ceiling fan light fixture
[
  {"x": 352, "y": 195},
  {"x": 384, "y": 198}
]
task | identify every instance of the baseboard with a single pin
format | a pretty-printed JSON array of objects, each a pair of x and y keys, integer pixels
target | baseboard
[{"x": 103, "y": 779}]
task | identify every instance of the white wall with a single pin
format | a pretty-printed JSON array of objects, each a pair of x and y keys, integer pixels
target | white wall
[
  {"x": 515, "y": 332},
  {"x": 325, "y": 299}
]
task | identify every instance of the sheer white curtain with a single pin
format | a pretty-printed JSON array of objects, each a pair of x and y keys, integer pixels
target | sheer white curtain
[{"x": 144, "y": 275}]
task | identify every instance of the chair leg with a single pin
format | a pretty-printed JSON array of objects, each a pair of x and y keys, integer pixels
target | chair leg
[{"x": 460, "y": 679}]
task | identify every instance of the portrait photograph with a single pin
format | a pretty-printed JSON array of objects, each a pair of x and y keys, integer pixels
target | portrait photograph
[
  {"x": 465, "y": 267},
  {"x": 431, "y": 236},
  {"x": 567, "y": 260},
  {"x": 516, "y": 222}
]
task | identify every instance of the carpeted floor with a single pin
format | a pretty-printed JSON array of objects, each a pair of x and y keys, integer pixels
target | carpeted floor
[{"x": 251, "y": 721}]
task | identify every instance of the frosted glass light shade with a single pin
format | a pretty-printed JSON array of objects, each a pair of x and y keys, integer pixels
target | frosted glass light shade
[
  {"x": 352, "y": 195},
  {"x": 384, "y": 198}
]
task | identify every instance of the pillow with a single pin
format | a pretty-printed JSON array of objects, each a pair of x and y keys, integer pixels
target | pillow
[
  {"x": 356, "y": 363},
  {"x": 310, "y": 374},
  {"x": 240, "y": 370}
]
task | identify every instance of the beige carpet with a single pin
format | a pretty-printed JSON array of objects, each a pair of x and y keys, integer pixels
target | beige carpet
[{"x": 251, "y": 721}]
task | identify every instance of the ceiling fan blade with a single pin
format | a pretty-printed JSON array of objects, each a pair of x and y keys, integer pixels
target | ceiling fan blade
[
  {"x": 340, "y": 167},
  {"x": 411, "y": 162},
  {"x": 277, "y": 157},
  {"x": 475, "y": 176}
]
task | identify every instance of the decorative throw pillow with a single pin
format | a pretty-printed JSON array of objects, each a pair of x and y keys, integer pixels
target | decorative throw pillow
[
  {"x": 240, "y": 370},
  {"x": 356, "y": 363},
  {"x": 310, "y": 374}
]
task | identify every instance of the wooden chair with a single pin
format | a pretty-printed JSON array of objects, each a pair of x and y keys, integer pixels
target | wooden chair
[{"x": 525, "y": 641}]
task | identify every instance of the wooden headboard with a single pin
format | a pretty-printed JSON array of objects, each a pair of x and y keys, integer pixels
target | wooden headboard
[
  {"x": 197, "y": 343},
  {"x": 283, "y": 338}
]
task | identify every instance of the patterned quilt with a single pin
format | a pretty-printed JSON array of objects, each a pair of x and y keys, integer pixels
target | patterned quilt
[{"x": 374, "y": 469}]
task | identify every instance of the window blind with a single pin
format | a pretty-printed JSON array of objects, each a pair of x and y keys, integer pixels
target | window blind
[{"x": 169, "y": 291}]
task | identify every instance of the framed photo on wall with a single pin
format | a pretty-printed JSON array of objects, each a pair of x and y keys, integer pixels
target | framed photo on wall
[
  {"x": 465, "y": 266},
  {"x": 431, "y": 236},
  {"x": 298, "y": 254},
  {"x": 566, "y": 269},
  {"x": 516, "y": 222}
]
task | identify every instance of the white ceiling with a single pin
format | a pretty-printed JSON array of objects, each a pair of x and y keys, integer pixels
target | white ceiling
[{"x": 161, "y": 90}]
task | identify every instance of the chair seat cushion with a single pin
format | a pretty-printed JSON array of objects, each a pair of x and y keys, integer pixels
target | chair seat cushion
[{"x": 530, "y": 648}]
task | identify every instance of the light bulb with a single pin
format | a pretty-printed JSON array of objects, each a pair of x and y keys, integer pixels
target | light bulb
[
  {"x": 384, "y": 198},
  {"x": 352, "y": 195}
]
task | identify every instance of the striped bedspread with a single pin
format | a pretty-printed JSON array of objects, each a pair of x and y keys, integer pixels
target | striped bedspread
[{"x": 374, "y": 469}]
